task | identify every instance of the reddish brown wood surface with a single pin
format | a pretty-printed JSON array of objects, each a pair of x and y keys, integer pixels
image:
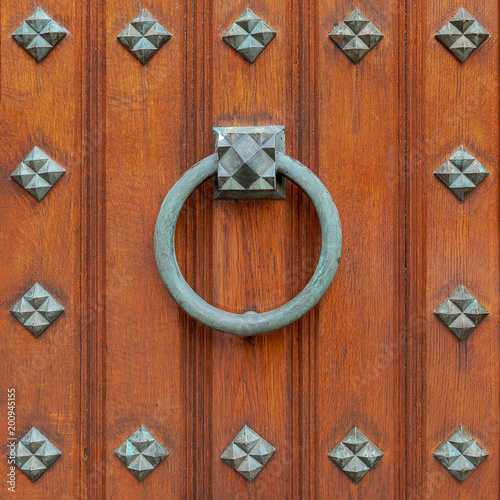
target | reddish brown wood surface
[
  {"x": 451, "y": 243},
  {"x": 146, "y": 336},
  {"x": 42, "y": 105},
  {"x": 372, "y": 354},
  {"x": 358, "y": 357}
]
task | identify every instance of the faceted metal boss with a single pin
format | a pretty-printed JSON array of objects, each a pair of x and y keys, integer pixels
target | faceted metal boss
[
  {"x": 249, "y": 35},
  {"x": 356, "y": 35},
  {"x": 355, "y": 455},
  {"x": 38, "y": 34},
  {"x": 461, "y": 172},
  {"x": 37, "y": 173},
  {"x": 141, "y": 452},
  {"x": 247, "y": 162},
  {"x": 34, "y": 454},
  {"x": 144, "y": 36},
  {"x": 37, "y": 309},
  {"x": 462, "y": 35},
  {"x": 248, "y": 453},
  {"x": 461, "y": 312},
  {"x": 460, "y": 453}
]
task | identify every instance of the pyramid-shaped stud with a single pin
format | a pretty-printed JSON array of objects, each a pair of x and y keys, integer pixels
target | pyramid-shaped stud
[
  {"x": 141, "y": 453},
  {"x": 460, "y": 453},
  {"x": 247, "y": 162},
  {"x": 34, "y": 454},
  {"x": 461, "y": 173},
  {"x": 355, "y": 455},
  {"x": 37, "y": 309},
  {"x": 462, "y": 35},
  {"x": 249, "y": 35},
  {"x": 37, "y": 173},
  {"x": 356, "y": 35},
  {"x": 144, "y": 36},
  {"x": 461, "y": 312},
  {"x": 38, "y": 34},
  {"x": 248, "y": 453}
]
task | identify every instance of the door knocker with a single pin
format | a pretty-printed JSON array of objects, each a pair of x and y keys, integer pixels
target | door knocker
[{"x": 248, "y": 162}]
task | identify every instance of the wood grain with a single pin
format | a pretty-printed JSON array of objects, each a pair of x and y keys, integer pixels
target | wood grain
[
  {"x": 252, "y": 259},
  {"x": 359, "y": 347},
  {"x": 371, "y": 354},
  {"x": 451, "y": 243},
  {"x": 146, "y": 138},
  {"x": 43, "y": 105}
]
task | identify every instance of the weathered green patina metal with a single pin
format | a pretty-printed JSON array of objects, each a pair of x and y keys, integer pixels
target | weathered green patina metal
[{"x": 248, "y": 324}]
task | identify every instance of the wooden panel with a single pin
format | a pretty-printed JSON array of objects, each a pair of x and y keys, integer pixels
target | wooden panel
[
  {"x": 42, "y": 106},
  {"x": 253, "y": 387},
  {"x": 357, "y": 360},
  {"x": 451, "y": 382},
  {"x": 146, "y": 343},
  {"x": 124, "y": 354},
  {"x": 252, "y": 261}
]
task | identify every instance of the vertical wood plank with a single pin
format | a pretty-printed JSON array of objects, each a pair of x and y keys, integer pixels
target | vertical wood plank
[
  {"x": 451, "y": 382},
  {"x": 43, "y": 105},
  {"x": 305, "y": 244},
  {"x": 359, "y": 329},
  {"x": 147, "y": 346},
  {"x": 196, "y": 230},
  {"x": 93, "y": 254},
  {"x": 252, "y": 262}
]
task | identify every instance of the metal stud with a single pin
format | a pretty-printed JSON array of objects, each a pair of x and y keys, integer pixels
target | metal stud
[
  {"x": 144, "y": 36},
  {"x": 462, "y": 35},
  {"x": 460, "y": 453},
  {"x": 141, "y": 453},
  {"x": 249, "y": 35},
  {"x": 356, "y": 35},
  {"x": 248, "y": 453},
  {"x": 247, "y": 167},
  {"x": 461, "y": 312},
  {"x": 355, "y": 455},
  {"x": 37, "y": 173},
  {"x": 34, "y": 454},
  {"x": 37, "y": 309},
  {"x": 461, "y": 172},
  {"x": 38, "y": 34}
]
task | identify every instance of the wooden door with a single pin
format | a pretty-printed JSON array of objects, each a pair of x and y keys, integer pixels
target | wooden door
[{"x": 371, "y": 355}]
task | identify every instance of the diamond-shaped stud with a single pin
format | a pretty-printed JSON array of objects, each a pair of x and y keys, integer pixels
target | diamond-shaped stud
[
  {"x": 34, "y": 454},
  {"x": 460, "y": 453},
  {"x": 461, "y": 312},
  {"x": 141, "y": 452},
  {"x": 355, "y": 455},
  {"x": 38, "y": 34},
  {"x": 37, "y": 173},
  {"x": 462, "y": 35},
  {"x": 249, "y": 35},
  {"x": 248, "y": 453},
  {"x": 461, "y": 172},
  {"x": 356, "y": 35},
  {"x": 37, "y": 310},
  {"x": 144, "y": 36},
  {"x": 247, "y": 162}
]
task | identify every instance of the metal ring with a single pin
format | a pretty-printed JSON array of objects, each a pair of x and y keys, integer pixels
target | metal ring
[{"x": 248, "y": 324}]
